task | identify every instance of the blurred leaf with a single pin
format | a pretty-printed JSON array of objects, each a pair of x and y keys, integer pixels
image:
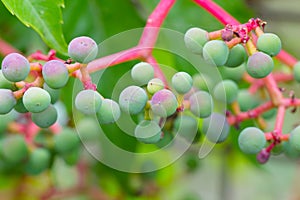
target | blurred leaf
[{"x": 44, "y": 17}]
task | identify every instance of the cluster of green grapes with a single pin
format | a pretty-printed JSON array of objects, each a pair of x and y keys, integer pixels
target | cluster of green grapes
[{"x": 257, "y": 61}]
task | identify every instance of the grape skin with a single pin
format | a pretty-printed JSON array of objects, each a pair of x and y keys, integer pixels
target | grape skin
[
  {"x": 14, "y": 149},
  {"x": 296, "y": 71},
  {"x": 182, "y": 82},
  {"x": 55, "y": 74},
  {"x": 216, "y": 52},
  {"x": 148, "y": 132},
  {"x": 142, "y": 73},
  {"x": 186, "y": 127},
  {"x": 226, "y": 91},
  {"x": 133, "y": 99},
  {"x": 39, "y": 161},
  {"x": 154, "y": 85},
  {"x": 201, "y": 104},
  {"x": 259, "y": 65},
  {"x": 269, "y": 43},
  {"x": 46, "y": 118},
  {"x": 164, "y": 103},
  {"x": 194, "y": 39},
  {"x": 83, "y": 49},
  {"x": 15, "y": 67},
  {"x": 251, "y": 140},
  {"x": 88, "y": 102},
  {"x": 237, "y": 55},
  {"x": 36, "y": 99},
  {"x": 246, "y": 100},
  {"x": 109, "y": 112},
  {"x": 4, "y": 83},
  {"x": 216, "y": 128},
  {"x": 54, "y": 93},
  {"x": 295, "y": 138},
  {"x": 7, "y": 101},
  {"x": 66, "y": 141}
]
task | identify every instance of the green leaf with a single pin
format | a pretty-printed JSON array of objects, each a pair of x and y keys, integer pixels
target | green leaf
[{"x": 45, "y": 17}]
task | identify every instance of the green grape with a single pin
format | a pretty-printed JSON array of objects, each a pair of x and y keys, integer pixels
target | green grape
[
  {"x": 201, "y": 104},
  {"x": 201, "y": 81},
  {"x": 14, "y": 148},
  {"x": 237, "y": 56},
  {"x": 226, "y": 91},
  {"x": 295, "y": 138},
  {"x": 154, "y": 85},
  {"x": 186, "y": 127},
  {"x": 109, "y": 112},
  {"x": 182, "y": 82},
  {"x": 44, "y": 138},
  {"x": 277, "y": 149},
  {"x": 259, "y": 65},
  {"x": 246, "y": 100},
  {"x": 296, "y": 71},
  {"x": 142, "y": 73},
  {"x": 19, "y": 107},
  {"x": 36, "y": 99},
  {"x": 251, "y": 140},
  {"x": 88, "y": 129},
  {"x": 6, "y": 119},
  {"x": 133, "y": 99},
  {"x": 83, "y": 49},
  {"x": 194, "y": 39},
  {"x": 54, "y": 93},
  {"x": 7, "y": 101},
  {"x": 55, "y": 74},
  {"x": 166, "y": 140},
  {"x": 88, "y": 102},
  {"x": 4, "y": 83},
  {"x": 236, "y": 73},
  {"x": 72, "y": 157},
  {"x": 216, "y": 52},
  {"x": 216, "y": 128},
  {"x": 66, "y": 141},
  {"x": 46, "y": 118},
  {"x": 39, "y": 160},
  {"x": 269, "y": 43},
  {"x": 289, "y": 150},
  {"x": 15, "y": 67},
  {"x": 148, "y": 132},
  {"x": 163, "y": 103}
]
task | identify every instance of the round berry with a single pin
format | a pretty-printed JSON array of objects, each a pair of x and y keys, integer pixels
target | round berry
[
  {"x": 226, "y": 91},
  {"x": 295, "y": 138},
  {"x": 148, "y": 132},
  {"x": 201, "y": 81},
  {"x": 15, "y": 67},
  {"x": 164, "y": 103},
  {"x": 55, "y": 74},
  {"x": 88, "y": 102},
  {"x": 296, "y": 71},
  {"x": 237, "y": 55},
  {"x": 259, "y": 65},
  {"x": 269, "y": 43},
  {"x": 54, "y": 93},
  {"x": 83, "y": 49},
  {"x": 109, "y": 112},
  {"x": 14, "y": 148},
  {"x": 142, "y": 72},
  {"x": 88, "y": 129},
  {"x": 216, "y": 52},
  {"x": 186, "y": 127},
  {"x": 19, "y": 107},
  {"x": 66, "y": 141},
  {"x": 201, "y": 104},
  {"x": 4, "y": 83},
  {"x": 7, "y": 101},
  {"x": 194, "y": 39},
  {"x": 182, "y": 82},
  {"x": 251, "y": 140},
  {"x": 46, "y": 118},
  {"x": 36, "y": 99},
  {"x": 39, "y": 160},
  {"x": 154, "y": 85},
  {"x": 246, "y": 100},
  {"x": 133, "y": 99},
  {"x": 215, "y": 128}
]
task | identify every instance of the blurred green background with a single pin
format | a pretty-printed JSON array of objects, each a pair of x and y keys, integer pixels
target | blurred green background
[{"x": 226, "y": 174}]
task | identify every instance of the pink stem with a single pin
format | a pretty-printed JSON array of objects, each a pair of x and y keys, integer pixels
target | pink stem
[
  {"x": 286, "y": 58},
  {"x": 6, "y": 48},
  {"x": 279, "y": 120}
]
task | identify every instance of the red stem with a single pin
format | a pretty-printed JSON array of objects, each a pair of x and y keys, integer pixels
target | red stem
[{"x": 6, "y": 48}]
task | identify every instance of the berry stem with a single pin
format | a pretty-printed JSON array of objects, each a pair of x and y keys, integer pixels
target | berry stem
[
  {"x": 86, "y": 78},
  {"x": 158, "y": 73},
  {"x": 279, "y": 120}
]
